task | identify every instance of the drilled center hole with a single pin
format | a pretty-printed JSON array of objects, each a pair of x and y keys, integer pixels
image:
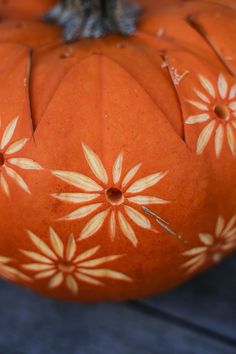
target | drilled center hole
[
  {"x": 66, "y": 267},
  {"x": 114, "y": 196},
  {"x": 221, "y": 111},
  {"x": 2, "y": 160}
]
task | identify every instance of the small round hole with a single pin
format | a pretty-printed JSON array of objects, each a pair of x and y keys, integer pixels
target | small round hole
[
  {"x": 221, "y": 111},
  {"x": 66, "y": 267},
  {"x": 2, "y": 159},
  {"x": 114, "y": 196}
]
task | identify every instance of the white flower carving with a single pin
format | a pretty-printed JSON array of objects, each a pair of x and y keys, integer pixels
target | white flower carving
[
  {"x": 62, "y": 264},
  {"x": 9, "y": 272},
  {"x": 217, "y": 108},
  {"x": 214, "y": 246},
  {"x": 8, "y": 162},
  {"x": 109, "y": 199}
]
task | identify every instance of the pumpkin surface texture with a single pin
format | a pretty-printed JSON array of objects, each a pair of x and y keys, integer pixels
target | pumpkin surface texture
[{"x": 117, "y": 154}]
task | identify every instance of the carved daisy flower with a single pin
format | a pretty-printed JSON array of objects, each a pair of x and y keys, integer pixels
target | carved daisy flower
[
  {"x": 62, "y": 264},
  {"x": 217, "y": 108},
  {"x": 116, "y": 199},
  {"x": 214, "y": 247},
  {"x": 9, "y": 272},
  {"x": 8, "y": 162}
]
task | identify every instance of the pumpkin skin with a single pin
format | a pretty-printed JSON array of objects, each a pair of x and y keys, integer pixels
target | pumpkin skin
[{"x": 94, "y": 132}]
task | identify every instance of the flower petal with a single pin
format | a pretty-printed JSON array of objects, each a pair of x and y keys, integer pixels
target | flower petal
[
  {"x": 231, "y": 139},
  {"x": 130, "y": 175},
  {"x": 146, "y": 200},
  {"x": 127, "y": 229},
  {"x": 41, "y": 245},
  {"x": 45, "y": 274},
  {"x": 82, "y": 212},
  {"x": 56, "y": 281},
  {"x": 232, "y": 106},
  {"x": 203, "y": 97},
  {"x": 106, "y": 273},
  {"x": 70, "y": 248},
  {"x": 78, "y": 180},
  {"x": 37, "y": 257},
  {"x": 95, "y": 164},
  {"x": 17, "y": 178},
  {"x": 94, "y": 225},
  {"x": 112, "y": 225},
  {"x": 98, "y": 261},
  {"x": 194, "y": 251},
  {"x": 219, "y": 136},
  {"x": 199, "y": 105},
  {"x": 4, "y": 185},
  {"x": 138, "y": 218},
  {"x": 232, "y": 92},
  {"x": 8, "y": 133},
  {"x": 219, "y": 226},
  {"x": 26, "y": 164},
  {"x": 146, "y": 182},
  {"x": 75, "y": 197},
  {"x": 193, "y": 260},
  {"x": 117, "y": 168},
  {"x": 197, "y": 118},
  {"x": 222, "y": 86},
  {"x": 230, "y": 225},
  {"x": 72, "y": 284},
  {"x": 87, "y": 254},
  {"x": 207, "y": 239},
  {"x": 87, "y": 279},
  {"x": 17, "y": 146},
  {"x": 204, "y": 137},
  {"x": 206, "y": 84},
  {"x": 57, "y": 244},
  {"x": 37, "y": 267}
]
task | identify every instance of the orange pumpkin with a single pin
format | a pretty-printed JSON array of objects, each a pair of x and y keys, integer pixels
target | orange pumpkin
[{"x": 118, "y": 155}]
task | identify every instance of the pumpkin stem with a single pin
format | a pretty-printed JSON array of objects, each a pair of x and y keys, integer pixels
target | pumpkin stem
[{"x": 94, "y": 18}]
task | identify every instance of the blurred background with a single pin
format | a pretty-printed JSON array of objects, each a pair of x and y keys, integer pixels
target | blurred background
[{"x": 197, "y": 318}]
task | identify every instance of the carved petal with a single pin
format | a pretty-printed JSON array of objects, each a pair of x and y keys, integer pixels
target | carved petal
[
  {"x": 146, "y": 182},
  {"x": 222, "y": 86},
  {"x": 17, "y": 178},
  {"x": 112, "y": 225},
  {"x": 127, "y": 229},
  {"x": 207, "y": 239},
  {"x": 70, "y": 248},
  {"x": 207, "y": 86},
  {"x": 94, "y": 225},
  {"x": 130, "y": 175},
  {"x": 75, "y": 197},
  {"x": 98, "y": 261},
  {"x": 95, "y": 164},
  {"x": 17, "y": 146},
  {"x": 138, "y": 218},
  {"x": 56, "y": 243},
  {"x": 78, "y": 180},
  {"x": 8, "y": 133},
  {"x": 146, "y": 200},
  {"x": 204, "y": 137},
  {"x": 219, "y": 140},
  {"x": 87, "y": 279},
  {"x": 106, "y": 273},
  {"x": 219, "y": 226},
  {"x": 194, "y": 251},
  {"x": 56, "y": 281},
  {"x": 117, "y": 168},
  {"x": 41, "y": 245},
  {"x": 26, "y": 164},
  {"x": 231, "y": 139},
  {"x": 72, "y": 284},
  {"x": 82, "y": 212},
  {"x": 4, "y": 185},
  {"x": 199, "y": 118},
  {"x": 87, "y": 254},
  {"x": 37, "y": 257},
  {"x": 198, "y": 105}
]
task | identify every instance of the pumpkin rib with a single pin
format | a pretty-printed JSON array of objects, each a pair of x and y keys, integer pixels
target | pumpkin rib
[{"x": 216, "y": 50}]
